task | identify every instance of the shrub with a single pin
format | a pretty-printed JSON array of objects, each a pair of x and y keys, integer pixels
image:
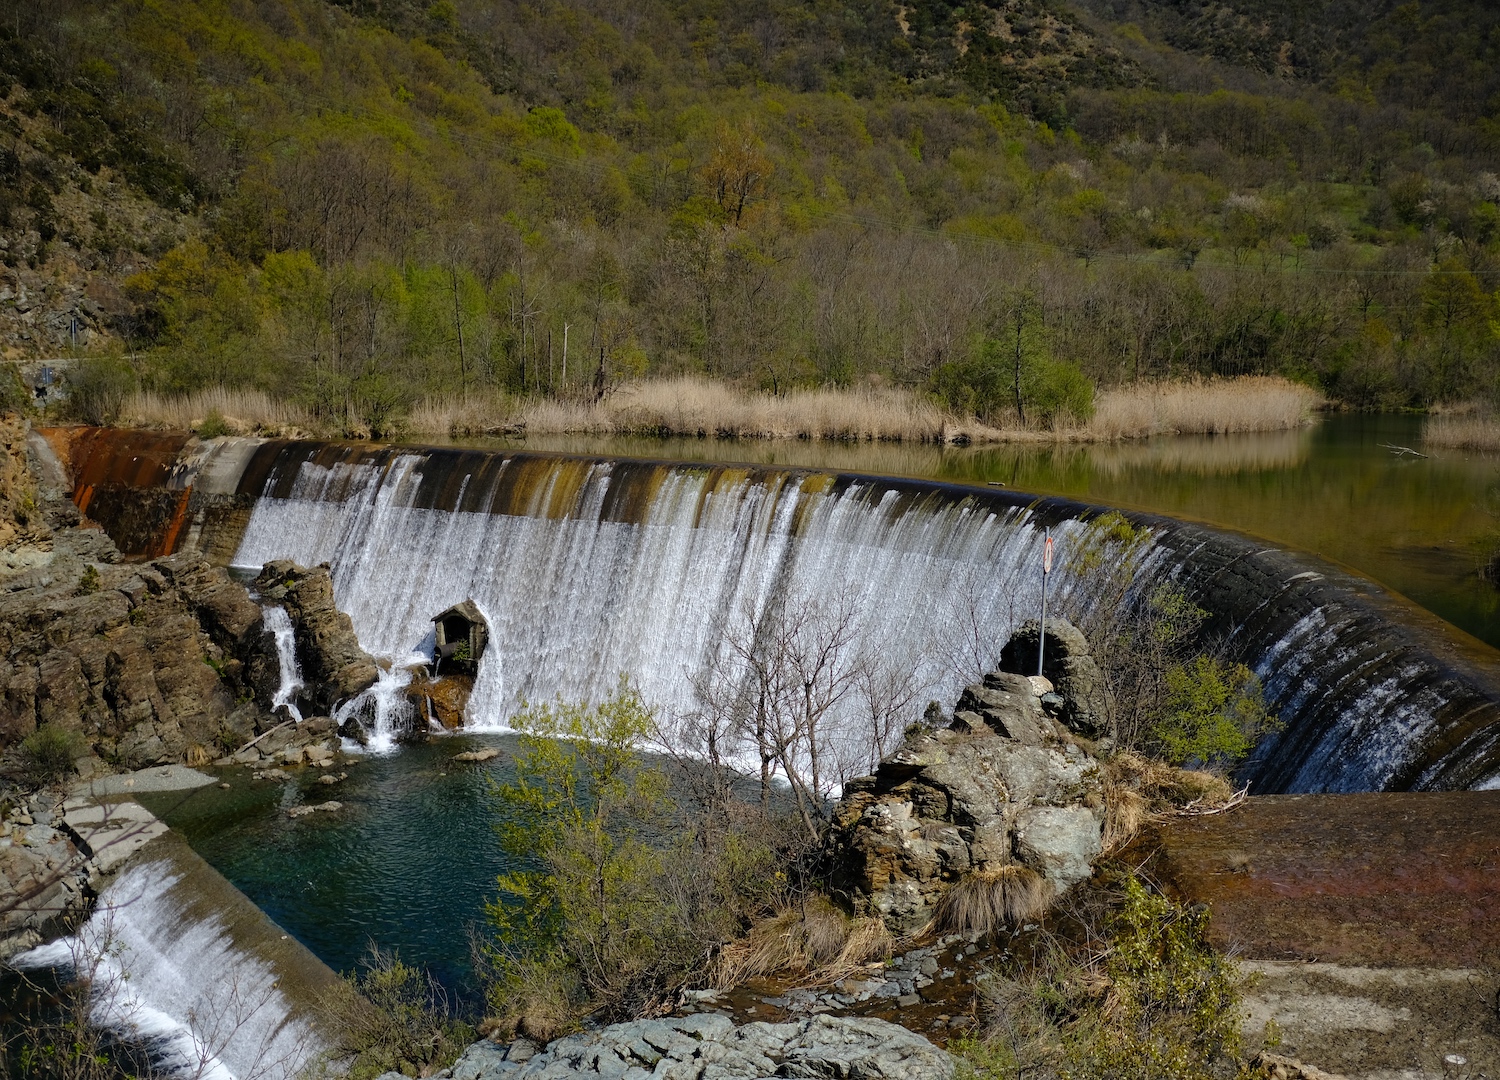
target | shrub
[
  {"x": 97, "y": 389},
  {"x": 213, "y": 426},
  {"x": 1140, "y": 995},
  {"x": 986, "y": 383},
  {"x": 620, "y": 897},
  {"x": 392, "y": 1017},
  {"x": 49, "y": 753},
  {"x": 88, "y": 581},
  {"x": 1213, "y": 714}
]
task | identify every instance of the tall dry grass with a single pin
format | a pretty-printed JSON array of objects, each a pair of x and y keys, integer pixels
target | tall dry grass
[
  {"x": 699, "y": 407},
  {"x": 696, "y": 407},
  {"x": 1198, "y": 407},
  {"x": 1463, "y": 429},
  {"x": 241, "y": 412},
  {"x": 813, "y": 939}
]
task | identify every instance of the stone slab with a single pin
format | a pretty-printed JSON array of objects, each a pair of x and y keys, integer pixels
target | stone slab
[
  {"x": 111, "y": 832},
  {"x": 156, "y": 778},
  {"x": 1397, "y": 879}
]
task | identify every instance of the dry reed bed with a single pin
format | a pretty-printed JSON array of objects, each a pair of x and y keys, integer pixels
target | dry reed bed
[
  {"x": 699, "y": 407},
  {"x": 1216, "y": 407},
  {"x": 242, "y": 412},
  {"x": 688, "y": 406},
  {"x": 1472, "y": 430}
]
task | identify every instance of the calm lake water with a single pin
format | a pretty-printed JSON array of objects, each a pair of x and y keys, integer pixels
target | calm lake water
[{"x": 1416, "y": 525}]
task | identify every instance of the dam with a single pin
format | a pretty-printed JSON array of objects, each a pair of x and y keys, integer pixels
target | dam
[{"x": 589, "y": 567}]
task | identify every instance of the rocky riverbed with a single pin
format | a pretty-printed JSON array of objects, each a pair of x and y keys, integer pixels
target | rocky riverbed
[{"x": 707, "y": 1046}]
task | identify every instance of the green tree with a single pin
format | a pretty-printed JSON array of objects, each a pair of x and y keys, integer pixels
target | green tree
[
  {"x": 1214, "y": 714},
  {"x": 582, "y": 919}
]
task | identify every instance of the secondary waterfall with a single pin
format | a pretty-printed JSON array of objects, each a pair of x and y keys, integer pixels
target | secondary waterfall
[
  {"x": 280, "y": 625},
  {"x": 168, "y": 976}
]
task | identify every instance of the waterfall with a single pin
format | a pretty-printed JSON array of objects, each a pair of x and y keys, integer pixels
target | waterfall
[
  {"x": 610, "y": 569},
  {"x": 587, "y": 569},
  {"x": 383, "y": 710},
  {"x": 171, "y": 978},
  {"x": 279, "y": 623}
]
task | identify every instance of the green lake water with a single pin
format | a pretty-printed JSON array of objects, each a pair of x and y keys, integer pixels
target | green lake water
[
  {"x": 408, "y": 862},
  {"x": 1415, "y": 524}
]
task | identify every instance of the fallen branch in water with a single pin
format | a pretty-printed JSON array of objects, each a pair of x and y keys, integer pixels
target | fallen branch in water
[{"x": 1402, "y": 450}]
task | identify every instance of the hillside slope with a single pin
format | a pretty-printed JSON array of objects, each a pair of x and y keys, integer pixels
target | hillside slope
[{"x": 360, "y": 204}]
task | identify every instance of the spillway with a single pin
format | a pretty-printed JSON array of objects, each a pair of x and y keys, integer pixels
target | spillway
[{"x": 590, "y": 568}]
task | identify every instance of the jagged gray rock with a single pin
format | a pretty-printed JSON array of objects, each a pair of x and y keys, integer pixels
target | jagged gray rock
[
  {"x": 1068, "y": 666},
  {"x": 1004, "y": 784},
  {"x": 334, "y": 666},
  {"x": 707, "y": 1046}
]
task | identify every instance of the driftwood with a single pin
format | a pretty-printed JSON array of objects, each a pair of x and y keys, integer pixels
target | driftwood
[
  {"x": 263, "y": 734},
  {"x": 1402, "y": 451},
  {"x": 1192, "y": 809}
]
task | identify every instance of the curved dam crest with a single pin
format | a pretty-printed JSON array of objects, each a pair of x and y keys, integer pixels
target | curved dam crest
[{"x": 589, "y": 567}]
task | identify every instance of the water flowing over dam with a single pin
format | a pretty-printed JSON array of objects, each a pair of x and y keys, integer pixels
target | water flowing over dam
[
  {"x": 183, "y": 966},
  {"x": 589, "y": 568}
]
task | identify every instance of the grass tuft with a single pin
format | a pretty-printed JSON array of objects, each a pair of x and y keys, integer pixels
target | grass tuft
[
  {"x": 814, "y": 939},
  {"x": 983, "y": 902}
]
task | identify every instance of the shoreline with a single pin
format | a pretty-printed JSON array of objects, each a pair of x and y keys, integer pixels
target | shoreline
[{"x": 698, "y": 408}]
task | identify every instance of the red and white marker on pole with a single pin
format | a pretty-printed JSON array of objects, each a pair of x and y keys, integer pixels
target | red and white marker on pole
[{"x": 1041, "y": 641}]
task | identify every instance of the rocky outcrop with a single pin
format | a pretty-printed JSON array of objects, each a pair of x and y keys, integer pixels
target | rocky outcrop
[
  {"x": 1082, "y": 700},
  {"x": 117, "y": 655},
  {"x": 155, "y": 662},
  {"x": 707, "y": 1046},
  {"x": 44, "y": 878},
  {"x": 1004, "y": 788},
  {"x": 334, "y": 667}
]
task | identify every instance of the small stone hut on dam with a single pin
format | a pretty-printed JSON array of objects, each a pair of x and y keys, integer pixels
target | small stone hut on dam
[{"x": 460, "y": 635}]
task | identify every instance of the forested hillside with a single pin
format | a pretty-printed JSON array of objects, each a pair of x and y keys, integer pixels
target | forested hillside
[{"x": 363, "y": 203}]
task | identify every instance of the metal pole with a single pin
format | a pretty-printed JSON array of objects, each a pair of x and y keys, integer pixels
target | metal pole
[{"x": 1041, "y": 641}]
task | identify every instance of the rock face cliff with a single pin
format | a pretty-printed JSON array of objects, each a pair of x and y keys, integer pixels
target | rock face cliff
[
  {"x": 1004, "y": 789},
  {"x": 146, "y": 663}
]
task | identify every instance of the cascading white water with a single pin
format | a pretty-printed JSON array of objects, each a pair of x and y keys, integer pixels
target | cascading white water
[
  {"x": 279, "y": 623},
  {"x": 383, "y": 710},
  {"x": 177, "y": 984},
  {"x": 575, "y": 600}
]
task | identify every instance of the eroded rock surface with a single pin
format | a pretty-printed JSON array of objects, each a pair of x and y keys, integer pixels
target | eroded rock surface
[
  {"x": 707, "y": 1046},
  {"x": 1003, "y": 784},
  {"x": 334, "y": 666}
]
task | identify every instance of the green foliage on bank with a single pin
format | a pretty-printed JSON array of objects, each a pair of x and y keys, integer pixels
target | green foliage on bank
[
  {"x": 620, "y": 895},
  {"x": 1137, "y": 992},
  {"x": 367, "y": 203}
]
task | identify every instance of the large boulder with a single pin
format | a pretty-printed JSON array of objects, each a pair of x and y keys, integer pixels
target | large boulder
[
  {"x": 1002, "y": 789},
  {"x": 334, "y": 666},
  {"x": 1066, "y": 663},
  {"x": 708, "y": 1046}
]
